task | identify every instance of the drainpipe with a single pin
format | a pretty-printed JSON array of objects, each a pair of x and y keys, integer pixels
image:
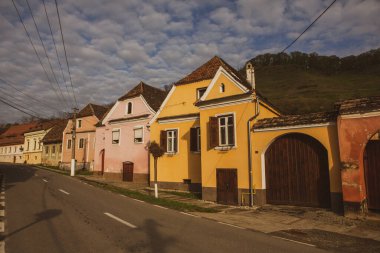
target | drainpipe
[{"x": 257, "y": 112}]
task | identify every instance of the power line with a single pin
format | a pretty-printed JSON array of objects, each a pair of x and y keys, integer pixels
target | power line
[
  {"x": 8, "y": 96},
  {"x": 35, "y": 50},
  {"x": 307, "y": 28},
  {"x": 18, "y": 109},
  {"x": 39, "y": 100},
  {"x": 46, "y": 54},
  {"x": 8, "y": 103},
  {"x": 55, "y": 46},
  {"x": 64, "y": 47}
]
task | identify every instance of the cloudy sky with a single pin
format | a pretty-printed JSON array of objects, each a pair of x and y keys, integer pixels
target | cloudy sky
[{"x": 112, "y": 45}]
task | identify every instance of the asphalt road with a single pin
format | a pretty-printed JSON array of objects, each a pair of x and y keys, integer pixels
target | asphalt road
[{"x": 49, "y": 212}]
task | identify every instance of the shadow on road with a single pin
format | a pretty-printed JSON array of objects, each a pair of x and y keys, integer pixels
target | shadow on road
[
  {"x": 16, "y": 173},
  {"x": 156, "y": 242},
  {"x": 42, "y": 216}
]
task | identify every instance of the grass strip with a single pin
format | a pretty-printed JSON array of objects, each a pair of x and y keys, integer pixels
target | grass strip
[{"x": 172, "y": 204}]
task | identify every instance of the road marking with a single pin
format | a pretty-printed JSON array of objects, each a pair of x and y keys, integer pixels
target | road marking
[
  {"x": 160, "y": 206},
  {"x": 2, "y": 247},
  {"x": 227, "y": 224},
  {"x": 192, "y": 215},
  {"x": 65, "y": 192},
  {"x": 120, "y": 220},
  {"x": 138, "y": 200},
  {"x": 1, "y": 227},
  {"x": 285, "y": 239},
  {"x": 2, "y": 203},
  {"x": 2, "y": 213},
  {"x": 44, "y": 180},
  {"x": 2, "y": 197}
]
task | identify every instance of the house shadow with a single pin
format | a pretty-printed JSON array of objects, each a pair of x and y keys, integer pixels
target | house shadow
[
  {"x": 12, "y": 173},
  {"x": 41, "y": 216},
  {"x": 155, "y": 241}
]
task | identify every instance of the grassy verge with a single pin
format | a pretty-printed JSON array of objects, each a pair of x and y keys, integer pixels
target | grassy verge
[
  {"x": 172, "y": 204},
  {"x": 53, "y": 169},
  {"x": 191, "y": 195}
]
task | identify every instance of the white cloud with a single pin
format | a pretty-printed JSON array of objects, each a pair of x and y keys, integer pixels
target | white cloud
[{"x": 112, "y": 45}]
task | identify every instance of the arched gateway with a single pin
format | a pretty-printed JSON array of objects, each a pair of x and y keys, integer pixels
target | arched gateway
[{"x": 297, "y": 172}]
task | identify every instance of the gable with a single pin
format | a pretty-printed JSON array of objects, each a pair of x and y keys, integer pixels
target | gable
[
  {"x": 182, "y": 100},
  {"x": 119, "y": 111}
]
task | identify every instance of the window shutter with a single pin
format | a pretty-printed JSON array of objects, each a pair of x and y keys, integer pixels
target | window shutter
[
  {"x": 175, "y": 141},
  {"x": 163, "y": 139},
  {"x": 214, "y": 132},
  {"x": 193, "y": 139}
]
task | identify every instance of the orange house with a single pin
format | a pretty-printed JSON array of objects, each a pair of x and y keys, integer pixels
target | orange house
[{"x": 84, "y": 144}]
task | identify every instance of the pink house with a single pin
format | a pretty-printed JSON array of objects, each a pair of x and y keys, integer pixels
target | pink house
[
  {"x": 122, "y": 136},
  {"x": 84, "y": 144}
]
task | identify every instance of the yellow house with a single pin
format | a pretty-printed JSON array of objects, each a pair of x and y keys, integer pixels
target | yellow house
[
  {"x": 203, "y": 127},
  {"x": 33, "y": 141}
]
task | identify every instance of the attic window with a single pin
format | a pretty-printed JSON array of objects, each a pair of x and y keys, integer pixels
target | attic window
[
  {"x": 79, "y": 123},
  {"x": 200, "y": 92},
  {"x": 222, "y": 88},
  {"x": 129, "y": 108}
]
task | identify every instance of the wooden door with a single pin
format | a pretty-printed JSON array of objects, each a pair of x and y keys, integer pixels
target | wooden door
[
  {"x": 227, "y": 187},
  {"x": 128, "y": 171},
  {"x": 297, "y": 173},
  {"x": 372, "y": 173}
]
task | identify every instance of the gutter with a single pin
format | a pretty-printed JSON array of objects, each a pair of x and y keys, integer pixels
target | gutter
[{"x": 257, "y": 112}]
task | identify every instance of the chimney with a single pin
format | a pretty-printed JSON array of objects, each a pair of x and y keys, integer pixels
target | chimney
[{"x": 251, "y": 75}]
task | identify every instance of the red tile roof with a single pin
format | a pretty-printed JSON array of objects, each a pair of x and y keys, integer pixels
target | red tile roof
[
  {"x": 55, "y": 134},
  {"x": 208, "y": 71},
  {"x": 15, "y": 134},
  {"x": 152, "y": 95},
  {"x": 360, "y": 105},
  {"x": 92, "y": 110}
]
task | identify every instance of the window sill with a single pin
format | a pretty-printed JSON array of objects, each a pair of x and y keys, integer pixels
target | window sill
[
  {"x": 224, "y": 148},
  {"x": 171, "y": 153}
]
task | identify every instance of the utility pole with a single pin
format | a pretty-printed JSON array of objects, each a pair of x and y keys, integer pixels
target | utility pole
[{"x": 73, "y": 134}]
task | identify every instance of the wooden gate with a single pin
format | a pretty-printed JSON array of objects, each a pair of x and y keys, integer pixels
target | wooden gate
[
  {"x": 296, "y": 169},
  {"x": 128, "y": 171},
  {"x": 226, "y": 186},
  {"x": 372, "y": 173}
]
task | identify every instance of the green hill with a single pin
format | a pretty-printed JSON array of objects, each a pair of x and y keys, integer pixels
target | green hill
[{"x": 302, "y": 83}]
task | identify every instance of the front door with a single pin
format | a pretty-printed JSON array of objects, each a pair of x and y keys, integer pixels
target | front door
[{"x": 227, "y": 187}]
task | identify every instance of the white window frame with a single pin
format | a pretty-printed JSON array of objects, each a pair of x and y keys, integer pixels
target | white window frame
[
  {"x": 222, "y": 88},
  {"x": 79, "y": 123},
  {"x": 226, "y": 115},
  {"x": 119, "y": 140},
  {"x": 126, "y": 108},
  {"x": 82, "y": 143},
  {"x": 142, "y": 129},
  {"x": 167, "y": 141},
  {"x": 71, "y": 144}
]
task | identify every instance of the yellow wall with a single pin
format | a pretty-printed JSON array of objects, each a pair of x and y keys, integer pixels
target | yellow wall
[
  {"x": 182, "y": 165},
  {"x": 51, "y": 158},
  {"x": 183, "y": 99},
  {"x": 11, "y": 154},
  {"x": 230, "y": 88},
  {"x": 326, "y": 135},
  {"x": 33, "y": 154},
  {"x": 237, "y": 157}
]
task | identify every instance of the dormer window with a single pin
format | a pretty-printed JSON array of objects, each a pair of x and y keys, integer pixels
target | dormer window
[
  {"x": 200, "y": 92},
  {"x": 222, "y": 88},
  {"x": 129, "y": 108}
]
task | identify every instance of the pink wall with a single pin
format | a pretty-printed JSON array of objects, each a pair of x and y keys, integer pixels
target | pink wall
[
  {"x": 354, "y": 134},
  {"x": 127, "y": 149}
]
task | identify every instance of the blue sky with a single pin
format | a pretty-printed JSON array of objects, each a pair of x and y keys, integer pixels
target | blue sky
[{"x": 112, "y": 45}]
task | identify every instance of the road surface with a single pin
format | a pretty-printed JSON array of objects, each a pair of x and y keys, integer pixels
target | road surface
[{"x": 49, "y": 212}]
